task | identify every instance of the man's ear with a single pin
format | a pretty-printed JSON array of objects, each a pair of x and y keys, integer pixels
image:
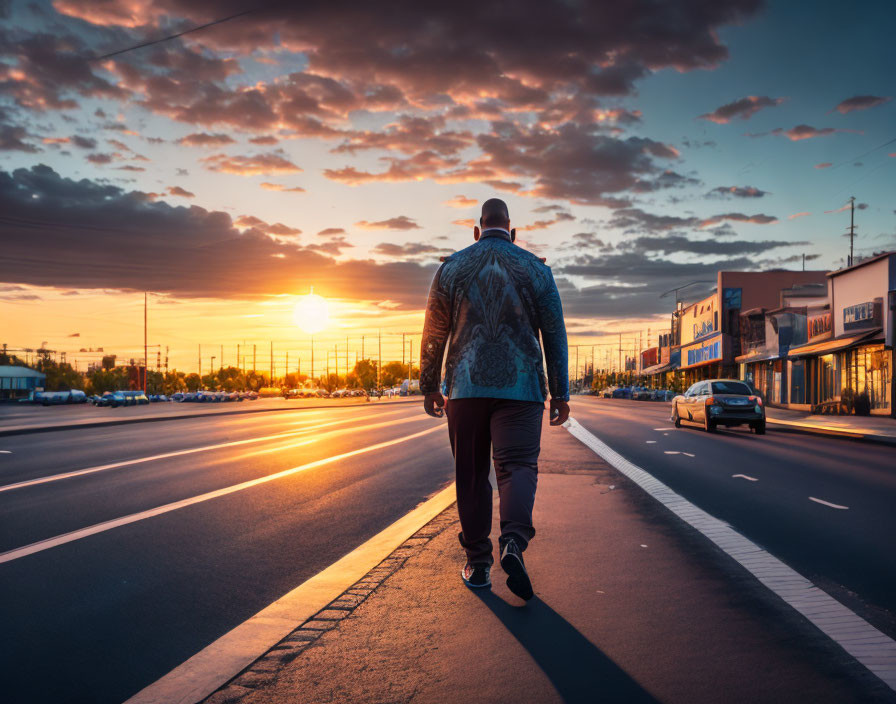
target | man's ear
[
  {"x": 513, "y": 235},
  {"x": 476, "y": 233}
]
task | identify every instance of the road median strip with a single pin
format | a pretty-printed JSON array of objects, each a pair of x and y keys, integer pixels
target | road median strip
[{"x": 250, "y": 655}]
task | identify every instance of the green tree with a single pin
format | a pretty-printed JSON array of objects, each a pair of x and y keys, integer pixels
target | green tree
[{"x": 365, "y": 372}]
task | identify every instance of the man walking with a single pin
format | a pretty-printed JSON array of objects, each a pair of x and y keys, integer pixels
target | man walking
[{"x": 488, "y": 303}]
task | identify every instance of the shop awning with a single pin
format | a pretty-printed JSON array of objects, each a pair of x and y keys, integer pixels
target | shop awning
[
  {"x": 760, "y": 356},
  {"x": 835, "y": 345},
  {"x": 657, "y": 369}
]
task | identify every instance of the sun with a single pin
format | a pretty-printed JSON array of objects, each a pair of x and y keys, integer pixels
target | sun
[{"x": 311, "y": 313}]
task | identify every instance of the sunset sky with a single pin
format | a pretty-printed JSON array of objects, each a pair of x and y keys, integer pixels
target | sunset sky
[{"x": 346, "y": 146}]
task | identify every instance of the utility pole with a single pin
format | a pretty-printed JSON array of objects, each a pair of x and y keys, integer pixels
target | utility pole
[
  {"x": 577, "y": 367},
  {"x": 238, "y": 365},
  {"x": 145, "y": 346},
  {"x": 221, "y": 358},
  {"x": 379, "y": 359},
  {"x": 312, "y": 362},
  {"x": 410, "y": 362},
  {"x": 253, "y": 358},
  {"x": 328, "y": 370},
  {"x": 286, "y": 369},
  {"x": 272, "y": 362},
  {"x": 402, "y": 353},
  {"x": 362, "y": 347},
  {"x": 346, "y": 360},
  {"x": 200, "y": 365},
  {"x": 621, "y": 369},
  {"x": 852, "y": 228}
]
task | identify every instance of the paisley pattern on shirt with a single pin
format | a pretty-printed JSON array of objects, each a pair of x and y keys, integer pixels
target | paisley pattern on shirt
[{"x": 488, "y": 303}]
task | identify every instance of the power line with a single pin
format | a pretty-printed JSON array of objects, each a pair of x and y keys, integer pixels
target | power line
[
  {"x": 175, "y": 36},
  {"x": 861, "y": 156}
]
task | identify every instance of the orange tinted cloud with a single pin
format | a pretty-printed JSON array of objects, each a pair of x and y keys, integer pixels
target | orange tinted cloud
[
  {"x": 798, "y": 215},
  {"x": 460, "y": 202},
  {"x": 250, "y": 165},
  {"x": 400, "y": 222}
]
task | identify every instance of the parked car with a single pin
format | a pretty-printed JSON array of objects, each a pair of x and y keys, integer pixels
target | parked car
[
  {"x": 641, "y": 393},
  {"x": 112, "y": 399},
  {"x": 728, "y": 402},
  {"x": 622, "y": 392}
]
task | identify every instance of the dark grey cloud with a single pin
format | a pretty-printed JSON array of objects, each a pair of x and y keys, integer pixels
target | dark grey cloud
[
  {"x": 736, "y": 192},
  {"x": 141, "y": 244}
]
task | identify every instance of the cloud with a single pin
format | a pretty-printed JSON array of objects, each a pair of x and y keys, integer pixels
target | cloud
[
  {"x": 409, "y": 249},
  {"x": 82, "y": 142},
  {"x": 178, "y": 191},
  {"x": 252, "y": 165},
  {"x": 743, "y": 109},
  {"x": 739, "y": 217},
  {"x": 542, "y": 224},
  {"x": 400, "y": 222},
  {"x": 461, "y": 202},
  {"x": 91, "y": 226},
  {"x": 800, "y": 132},
  {"x": 424, "y": 165},
  {"x": 331, "y": 231},
  {"x": 860, "y": 102},
  {"x": 280, "y": 187},
  {"x": 632, "y": 220},
  {"x": 823, "y": 165},
  {"x": 203, "y": 139},
  {"x": 798, "y": 215},
  {"x": 465, "y": 222},
  {"x": 737, "y": 192},
  {"x": 12, "y": 138}
]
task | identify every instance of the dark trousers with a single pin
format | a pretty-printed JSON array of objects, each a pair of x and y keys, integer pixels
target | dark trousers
[{"x": 511, "y": 432}]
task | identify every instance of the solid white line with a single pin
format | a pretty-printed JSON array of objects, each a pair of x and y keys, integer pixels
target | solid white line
[
  {"x": 689, "y": 454},
  {"x": 192, "y": 450},
  {"x": 671, "y": 452},
  {"x": 211, "y": 667},
  {"x": 744, "y": 476},
  {"x": 828, "y": 503},
  {"x": 650, "y": 442},
  {"x": 183, "y": 503},
  {"x": 5, "y": 452},
  {"x": 856, "y": 636}
]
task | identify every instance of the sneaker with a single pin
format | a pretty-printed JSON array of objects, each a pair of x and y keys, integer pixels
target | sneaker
[
  {"x": 512, "y": 563},
  {"x": 476, "y": 576}
]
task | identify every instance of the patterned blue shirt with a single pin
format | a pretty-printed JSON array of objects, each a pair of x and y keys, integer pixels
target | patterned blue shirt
[{"x": 488, "y": 303}]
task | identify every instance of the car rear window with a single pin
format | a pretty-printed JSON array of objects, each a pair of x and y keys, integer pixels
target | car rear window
[{"x": 731, "y": 387}]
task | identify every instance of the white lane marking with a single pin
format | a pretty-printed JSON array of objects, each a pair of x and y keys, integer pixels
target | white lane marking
[
  {"x": 864, "y": 642},
  {"x": 41, "y": 545},
  {"x": 5, "y": 452},
  {"x": 651, "y": 442},
  {"x": 688, "y": 454},
  {"x": 211, "y": 667},
  {"x": 671, "y": 452},
  {"x": 661, "y": 430},
  {"x": 205, "y": 448},
  {"x": 643, "y": 546},
  {"x": 828, "y": 503},
  {"x": 744, "y": 476}
]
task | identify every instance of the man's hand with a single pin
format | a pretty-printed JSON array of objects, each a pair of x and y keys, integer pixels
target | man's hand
[
  {"x": 559, "y": 412},
  {"x": 434, "y": 404}
]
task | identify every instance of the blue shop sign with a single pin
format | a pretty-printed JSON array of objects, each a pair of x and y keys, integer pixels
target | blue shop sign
[
  {"x": 708, "y": 351},
  {"x": 862, "y": 315}
]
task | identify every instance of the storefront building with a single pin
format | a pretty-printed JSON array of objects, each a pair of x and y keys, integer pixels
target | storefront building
[{"x": 848, "y": 355}]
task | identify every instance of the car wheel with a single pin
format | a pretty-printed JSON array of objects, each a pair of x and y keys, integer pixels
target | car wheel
[
  {"x": 676, "y": 420},
  {"x": 709, "y": 425},
  {"x": 758, "y": 428}
]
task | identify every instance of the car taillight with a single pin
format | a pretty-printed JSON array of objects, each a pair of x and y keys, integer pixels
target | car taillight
[
  {"x": 710, "y": 401},
  {"x": 756, "y": 400}
]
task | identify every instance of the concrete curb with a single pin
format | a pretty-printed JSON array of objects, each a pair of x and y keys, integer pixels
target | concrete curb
[
  {"x": 789, "y": 426},
  {"x": 251, "y": 655},
  {"x": 28, "y": 430},
  {"x": 266, "y": 668}
]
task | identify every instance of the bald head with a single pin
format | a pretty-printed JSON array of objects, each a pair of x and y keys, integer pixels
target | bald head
[{"x": 494, "y": 214}]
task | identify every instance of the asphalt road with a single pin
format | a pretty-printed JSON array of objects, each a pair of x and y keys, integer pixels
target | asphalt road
[
  {"x": 762, "y": 485},
  {"x": 98, "y": 618}
]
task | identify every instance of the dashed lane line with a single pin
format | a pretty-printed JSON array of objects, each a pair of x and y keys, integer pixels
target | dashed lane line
[
  {"x": 828, "y": 503},
  {"x": 204, "y": 448},
  {"x": 860, "y": 639},
  {"x": 744, "y": 476},
  {"x": 42, "y": 545}
]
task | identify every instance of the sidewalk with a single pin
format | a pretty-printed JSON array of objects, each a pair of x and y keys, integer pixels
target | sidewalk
[
  {"x": 631, "y": 605},
  {"x": 871, "y": 428}
]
